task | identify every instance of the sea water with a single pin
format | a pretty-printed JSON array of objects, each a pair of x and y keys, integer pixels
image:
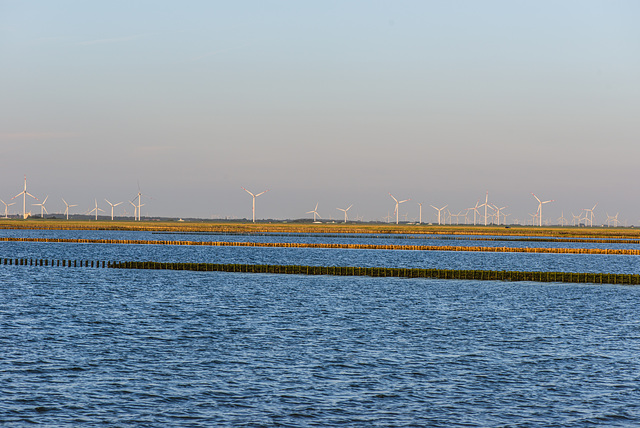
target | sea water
[{"x": 96, "y": 347}]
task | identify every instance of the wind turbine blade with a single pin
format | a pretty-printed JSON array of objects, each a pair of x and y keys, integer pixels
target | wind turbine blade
[
  {"x": 393, "y": 197},
  {"x": 108, "y": 201},
  {"x": 248, "y": 191},
  {"x": 349, "y": 207},
  {"x": 536, "y": 197},
  {"x": 262, "y": 193},
  {"x": 115, "y": 205}
]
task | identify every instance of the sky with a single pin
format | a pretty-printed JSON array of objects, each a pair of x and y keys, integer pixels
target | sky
[{"x": 331, "y": 102}]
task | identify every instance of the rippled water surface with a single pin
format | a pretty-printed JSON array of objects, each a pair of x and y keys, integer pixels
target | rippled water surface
[{"x": 89, "y": 347}]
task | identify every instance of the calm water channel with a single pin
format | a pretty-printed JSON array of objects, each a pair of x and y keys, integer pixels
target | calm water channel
[{"x": 101, "y": 347}]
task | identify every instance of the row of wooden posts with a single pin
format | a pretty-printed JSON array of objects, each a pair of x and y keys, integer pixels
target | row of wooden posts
[
  {"x": 568, "y": 277},
  {"x": 603, "y": 251}
]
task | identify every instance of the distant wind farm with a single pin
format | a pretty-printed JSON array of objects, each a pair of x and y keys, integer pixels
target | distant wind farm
[{"x": 486, "y": 213}]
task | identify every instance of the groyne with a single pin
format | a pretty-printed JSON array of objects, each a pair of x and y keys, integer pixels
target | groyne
[{"x": 384, "y": 272}]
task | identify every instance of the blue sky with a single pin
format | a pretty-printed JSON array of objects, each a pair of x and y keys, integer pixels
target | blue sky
[{"x": 332, "y": 102}]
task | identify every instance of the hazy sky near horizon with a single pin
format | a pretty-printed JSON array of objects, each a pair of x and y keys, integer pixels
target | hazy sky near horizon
[{"x": 329, "y": 102}]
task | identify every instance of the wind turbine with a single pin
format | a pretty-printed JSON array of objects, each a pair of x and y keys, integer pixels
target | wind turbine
[
  {"x": 439, "y": 211},
  {"x": 590, "y": 211},
  {"x": 475, "y": 211},
  {"x": 420, "y": 204},
  {"x": 6, "y": 208},
  {"x": 42, "y": 208},
  {"x": 540, "y": 203},
  {"x": 96, "y": 209},
  {"x": 254, "y": 200},
  {"x": 485, "y": 205},
  {"x": 24, "y": 194},
  {"x": 345, "y": 212},
  {"x": 315, "y": 213},
  {"x": 66, "y": 211},
  {"x": 140, "y": 204},
  {"x": 397, "y": 204},
  {"x": 112, "y": 207},
  {"x": 495, "y": 207},
  {"x": 612, "y": 218},
  {"x": 562, "y": 220},
  {"x": 135, "y": 210}
]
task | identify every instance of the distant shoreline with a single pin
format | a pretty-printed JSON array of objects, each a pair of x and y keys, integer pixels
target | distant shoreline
[{"x": 301, "y": 227}]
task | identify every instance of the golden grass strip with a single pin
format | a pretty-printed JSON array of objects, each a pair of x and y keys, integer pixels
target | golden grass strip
[{"x": 336, "y": 246}]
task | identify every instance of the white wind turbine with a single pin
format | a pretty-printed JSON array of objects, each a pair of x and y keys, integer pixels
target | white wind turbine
[
  {"x": 315, "y": 213},
  {"x": 439, "y": 211},
  {"x": 112, "y": 207},
  {"x": 475, "y": 211},
  {"x": 420, "y": 221},
  {"x": 397, "y": 205},
  {"x": 24, "y": 194},
  {"x": 254, "y": 201},
  {"x": 66, "y": 211},
  {"x": 6, "y": 208},
  {"x": 561, "y": 220},
  {"x": 96, "y": 209},
  {"x": 590, "y": 216},
  {"x": 575, "y": 217},
  {"x": 485, "y": 205},
  {"x": 140, "y": 204},
  {"x": 43, "y": 210},
  {"x": 495, "y": 207},
  {"x": 345, "y": 212},
  {"x": 540, "y": 203},
  {"x": 135, "y": 210}
]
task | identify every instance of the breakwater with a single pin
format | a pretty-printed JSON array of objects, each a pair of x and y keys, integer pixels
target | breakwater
[
  {"x": 338, "y": 246},
  {"x": 384, "y": 272},
  {"x": 422, "y": 237}
]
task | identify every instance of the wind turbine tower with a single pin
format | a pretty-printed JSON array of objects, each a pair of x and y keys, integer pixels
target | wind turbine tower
[
  {"x": 24, "y": 194},
  {"x": 439, "y": 211},
  {"x": 254, "y": 201},
  {"x": 66, "y": 211},
  {"x": 135, "y": 210},
  {"x": 43, "y": 210},
  {"x": 540, "y": 203},
  {"x": 112, "y": 207},
  {"x": 590, "y": 216},
  {"x": 315, "y": 213},
  {"x": 397, "y": 205},
  {"x": 345, "y": 212},
  {"x": 96, "y": 209},
  {"x": 6, "y": 208}
]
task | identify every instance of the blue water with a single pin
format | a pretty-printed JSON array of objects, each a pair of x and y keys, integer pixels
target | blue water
[{"x": 102, "y": 347}]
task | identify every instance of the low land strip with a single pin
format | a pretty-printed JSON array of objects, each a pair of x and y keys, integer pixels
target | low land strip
[
  {"x": 337, "y": 246},
  {"x": 305, "y": 227}
]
